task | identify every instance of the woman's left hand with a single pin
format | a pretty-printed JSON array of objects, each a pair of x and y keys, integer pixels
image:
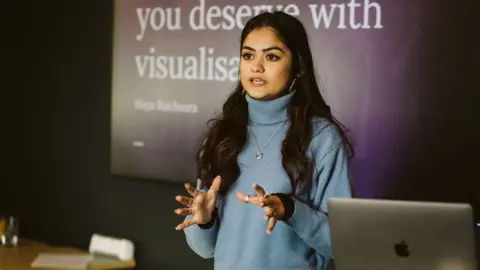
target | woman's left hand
[{"x": 273, "y": 206}]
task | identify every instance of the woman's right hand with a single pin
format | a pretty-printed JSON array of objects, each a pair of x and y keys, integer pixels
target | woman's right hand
[{"x": 200, "y": 206}]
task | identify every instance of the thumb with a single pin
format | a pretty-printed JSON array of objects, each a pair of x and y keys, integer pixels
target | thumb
[{"x": 215, "y": 185}]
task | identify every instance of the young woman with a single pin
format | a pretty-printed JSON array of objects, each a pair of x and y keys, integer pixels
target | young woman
[{"x": 270, "y": 161}]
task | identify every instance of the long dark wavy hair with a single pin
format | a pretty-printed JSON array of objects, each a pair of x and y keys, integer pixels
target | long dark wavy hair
[{"x": 226, "y": 135}]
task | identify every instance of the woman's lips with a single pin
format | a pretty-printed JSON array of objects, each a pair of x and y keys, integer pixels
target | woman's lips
[{"x": 256, "y": 82}]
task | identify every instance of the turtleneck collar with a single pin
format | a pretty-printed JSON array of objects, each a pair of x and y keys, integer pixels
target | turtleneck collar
[{"x": 268, "y": 111}]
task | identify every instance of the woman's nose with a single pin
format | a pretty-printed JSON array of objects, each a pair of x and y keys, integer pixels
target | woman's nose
[{"x": 257, "y": 66}]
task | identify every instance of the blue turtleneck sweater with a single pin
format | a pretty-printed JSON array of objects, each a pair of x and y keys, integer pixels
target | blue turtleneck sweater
[{"x": 237, "y": 240}]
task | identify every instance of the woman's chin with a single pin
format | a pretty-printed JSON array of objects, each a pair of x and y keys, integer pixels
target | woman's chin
[{"x": 256, "y": 94}]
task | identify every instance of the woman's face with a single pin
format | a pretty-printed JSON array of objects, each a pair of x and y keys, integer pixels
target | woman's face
[{"x": 265, "y": 64}]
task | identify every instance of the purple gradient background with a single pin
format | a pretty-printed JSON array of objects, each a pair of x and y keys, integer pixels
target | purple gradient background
[{"x": 368, "y": 75}]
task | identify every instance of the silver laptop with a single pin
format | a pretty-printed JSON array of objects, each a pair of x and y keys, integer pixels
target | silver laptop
[{"x": 369, "y": 234}]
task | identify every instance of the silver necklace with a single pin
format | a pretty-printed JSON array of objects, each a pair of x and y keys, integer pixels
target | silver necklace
[{"x": 259, "y": 154}]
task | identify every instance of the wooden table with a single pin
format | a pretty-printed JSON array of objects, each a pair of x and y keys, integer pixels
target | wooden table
[{"x": 21, "y": 257}]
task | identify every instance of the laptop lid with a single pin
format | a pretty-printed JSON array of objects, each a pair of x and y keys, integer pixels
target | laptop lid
[{"x": 397, "y": 235}]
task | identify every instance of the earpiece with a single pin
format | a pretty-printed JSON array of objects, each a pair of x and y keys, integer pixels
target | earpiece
[{"x": 291, "y": 85}]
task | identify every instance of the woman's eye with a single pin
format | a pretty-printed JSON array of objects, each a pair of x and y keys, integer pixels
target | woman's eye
[
  {"x": 272, "y": 57},
  {"x": 247, "y": 56}
]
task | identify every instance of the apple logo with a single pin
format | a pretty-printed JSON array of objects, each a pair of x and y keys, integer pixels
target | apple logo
[{"x": 402, "y": 249}]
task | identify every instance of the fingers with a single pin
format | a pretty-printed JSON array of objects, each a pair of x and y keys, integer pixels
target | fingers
[
  {"x": 250, "y": 199},
  {"x": 184, "y": 200},
  {"x": 215, "y": 185},
  {"x": 261, "y": 201},
  {"x": 268, "y": 200},
  {"x": 191, "y": 190},
  {"x": 269, "y": 213},
  {"x": 260, "y": 191},
  {"x": 271, "y": 224},
  {"x": 185, "y": 224},
  {"x": 185, "y": 211}
]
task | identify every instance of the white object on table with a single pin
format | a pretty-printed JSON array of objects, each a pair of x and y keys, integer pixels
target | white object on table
[{"x": 120, "y": 248}]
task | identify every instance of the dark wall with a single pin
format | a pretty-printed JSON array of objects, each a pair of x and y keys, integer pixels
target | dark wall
[
  {"x": 58, "y": 177},
  {"x": 57, "y": 113},
  {"x": 441, "y": 161}
]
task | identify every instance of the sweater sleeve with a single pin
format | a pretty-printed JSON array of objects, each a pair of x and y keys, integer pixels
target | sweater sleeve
[
  {"x": 202, "y": 240},
  {"x": 310, "y": 220}
]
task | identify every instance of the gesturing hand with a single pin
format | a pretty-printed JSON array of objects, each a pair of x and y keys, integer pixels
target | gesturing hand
[
  {"x": 273, "y": 206},
  {"x": 200, "y": 206}
]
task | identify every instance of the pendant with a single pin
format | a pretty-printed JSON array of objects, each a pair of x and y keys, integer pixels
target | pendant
[{"x": 259, "y": 155}]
